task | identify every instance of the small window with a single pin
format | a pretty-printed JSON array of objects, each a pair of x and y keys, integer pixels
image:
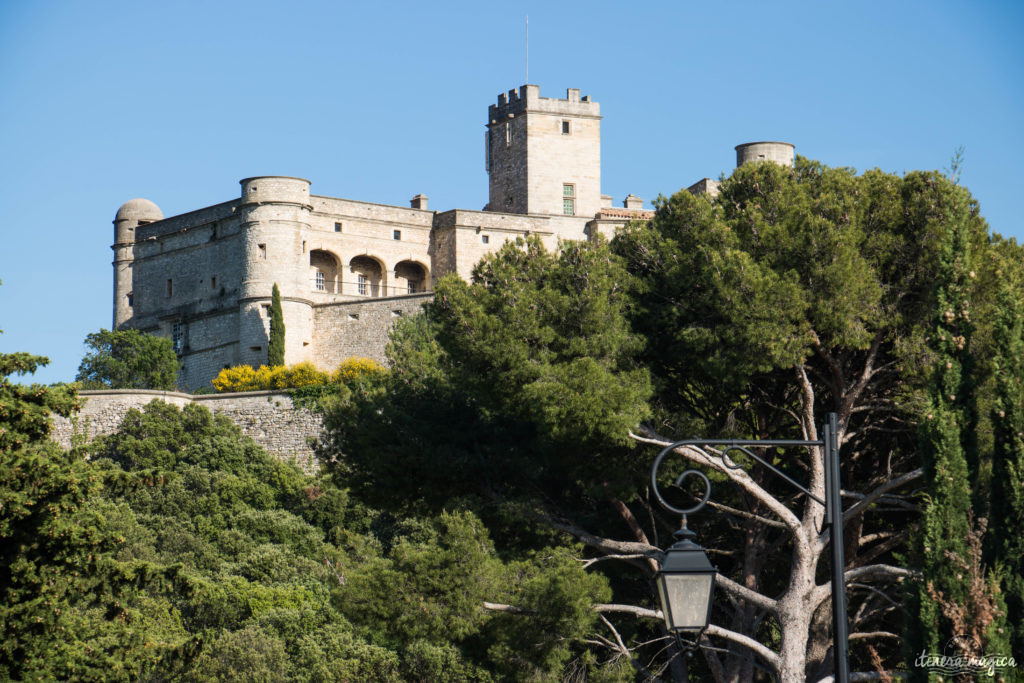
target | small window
[
  {"x": 131, "y": 299},
  {"x": 262, "y": 250},
  {"x": 170, "y": 287},
  {"x": 486, "y": 239},
  {"x": 508, "y": 134},
  {"x": 255, "y": 348},
  {"x": 396, "y": 314},
  {"x": 414, "y": 286},
  {"x": 362, "y": 285},
  {"x": 213, "y": 282},
  {"x": 353, "y": 316},
  {"x": 569, "y": 199},
  {"x": 303, "y": 246},
  {"x": 265, "y": 308},
  {"x": 337, "y": 227},
  {"x": 397, "y": 234},
  {"x": 565, "y": 128},
  {"x": 321, "y": 281}
]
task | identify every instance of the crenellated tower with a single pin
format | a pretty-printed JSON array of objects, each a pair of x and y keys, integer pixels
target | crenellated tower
[{"x": 544, "y": 154}]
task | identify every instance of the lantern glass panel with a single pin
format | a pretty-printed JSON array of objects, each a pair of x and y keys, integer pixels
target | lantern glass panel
[{"x": 685, "y": 599}]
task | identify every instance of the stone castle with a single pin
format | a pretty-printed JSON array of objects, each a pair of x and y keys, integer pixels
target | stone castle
[{"x": 347, "y": 269}]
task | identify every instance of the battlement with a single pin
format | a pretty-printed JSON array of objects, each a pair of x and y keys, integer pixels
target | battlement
[{"x": 527, "y": 98}]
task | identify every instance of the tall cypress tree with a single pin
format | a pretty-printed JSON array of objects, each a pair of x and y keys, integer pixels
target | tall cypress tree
[
  {"x": 1007, "y": 529},
  {"x": 957, "y": 595},
  {"x": 275, "y": 350}
]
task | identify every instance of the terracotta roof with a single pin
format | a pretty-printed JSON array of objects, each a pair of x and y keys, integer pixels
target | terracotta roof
[{"x": 625, "y": 213}]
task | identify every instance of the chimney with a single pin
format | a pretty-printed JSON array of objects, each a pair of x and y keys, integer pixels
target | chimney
[
  {"x": 419, "y": 202},
  {"x": 633, "y": 202}
]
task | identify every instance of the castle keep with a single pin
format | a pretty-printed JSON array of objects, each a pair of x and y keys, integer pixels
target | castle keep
[{"x": 347, "y": 269}]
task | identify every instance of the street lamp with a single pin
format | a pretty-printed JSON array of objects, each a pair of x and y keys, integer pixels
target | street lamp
[
  {"x": 687, "y": 579},
  {"x": 686, "y": 582}
]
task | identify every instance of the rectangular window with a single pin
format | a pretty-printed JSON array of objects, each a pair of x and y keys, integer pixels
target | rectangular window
[
  {"x": 508, "y": 134},
  {"x": 321, "y": 281},
  {"x": 397, "y": 234},
  {"x": 177, "y": 335},
  {"x": 337, "y": 227},
  {"x": 131, "y": 299},
  {"x": 170, "y": 287},
  {"x": 569, "y": 199},
  {"x": 565, "y": 128},
  {"x": 414, "y": 286},
  {"x": 486, "y": 239},
  {"x": 213, "y": 282},
  {"x": 362, "y": 284},
  {"x": 262, "y": 250},
  {"x": 266, "y": 309}
]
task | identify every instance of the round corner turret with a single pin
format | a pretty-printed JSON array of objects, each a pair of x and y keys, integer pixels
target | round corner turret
[
  {"x": 275, "y": 188},
  {"x": 777, "y": 152}
]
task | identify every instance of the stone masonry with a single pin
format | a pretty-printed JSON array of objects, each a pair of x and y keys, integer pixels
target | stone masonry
[{"x": 267, "y": 417}]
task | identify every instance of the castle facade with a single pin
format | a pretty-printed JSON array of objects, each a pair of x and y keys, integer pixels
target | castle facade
[{"x": 347, "y": 269}]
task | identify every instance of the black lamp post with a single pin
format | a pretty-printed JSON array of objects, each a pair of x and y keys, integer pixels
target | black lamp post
[{"x": 686, "y": 579}]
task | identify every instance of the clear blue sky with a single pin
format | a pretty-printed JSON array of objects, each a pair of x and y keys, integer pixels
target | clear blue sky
[{"x": 101, "y": 102}]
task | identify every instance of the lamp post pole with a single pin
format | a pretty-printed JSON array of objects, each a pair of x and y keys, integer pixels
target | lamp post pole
[{"x": 833, "y": 516}]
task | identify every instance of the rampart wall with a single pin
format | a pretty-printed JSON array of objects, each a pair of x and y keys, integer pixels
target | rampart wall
[{"x": 267, "y": 417}]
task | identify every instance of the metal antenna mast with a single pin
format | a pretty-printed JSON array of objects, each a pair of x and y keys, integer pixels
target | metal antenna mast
[{"x": 527, "y": 48}]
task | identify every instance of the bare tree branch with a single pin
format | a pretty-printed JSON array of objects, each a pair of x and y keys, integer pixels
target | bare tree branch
[
  {"x": 877, "y": 493},
  {"x": 871, "y": 571},
  {"x": 744, "y": 593},
  {"x": 874, "y": 634},
  {"x": 606, "y": 544},
  {"x": 746, "y": 515},
  {"x": 511, "y": 609},
  {"x": 594, "y": 560},
  {"x": 760, "y": 650},
  {"x": 641, "y": 612}
]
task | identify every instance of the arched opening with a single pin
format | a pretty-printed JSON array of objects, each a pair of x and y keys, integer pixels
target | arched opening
[
  {"x": 367, "y": 276},
  {"x": 410, "y": 278},
  {"x": 323, "y": 272}
]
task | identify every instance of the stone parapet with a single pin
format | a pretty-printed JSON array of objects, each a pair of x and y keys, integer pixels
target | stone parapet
[{"x": 269, "y": 418}]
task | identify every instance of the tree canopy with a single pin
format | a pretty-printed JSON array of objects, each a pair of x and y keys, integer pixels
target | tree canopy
[{"x": 128, "y": 359}]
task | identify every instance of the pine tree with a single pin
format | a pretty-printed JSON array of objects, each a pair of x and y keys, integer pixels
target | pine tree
[{"x": 275, "y": 350}]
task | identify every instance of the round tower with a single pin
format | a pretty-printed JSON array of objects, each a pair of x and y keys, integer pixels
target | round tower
[
  {"x": 777, "y": 152},
  {"x": 131, "y": 215},
  {"x": 275, "y": 212}
]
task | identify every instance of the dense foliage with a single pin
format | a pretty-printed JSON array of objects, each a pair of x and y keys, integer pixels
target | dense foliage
[
  {"x": 128, "y": 359},
  {"x": 796, "y": 292},
  {"x": 483, "y": 512}
]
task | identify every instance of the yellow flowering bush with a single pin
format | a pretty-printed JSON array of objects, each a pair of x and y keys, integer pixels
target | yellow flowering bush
[
  {"x": 354, "y": 369},
  {"x": 245, "y": 378}
]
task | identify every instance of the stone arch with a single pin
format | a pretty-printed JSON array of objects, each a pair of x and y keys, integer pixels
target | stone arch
[
  {"x": 323, "y": 272},
  {"x": 367, "y": 276},
  {"x": 411, "y": 277}
]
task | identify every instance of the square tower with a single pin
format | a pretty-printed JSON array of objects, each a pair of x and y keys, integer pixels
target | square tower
[{"x": 544, "y": 154}]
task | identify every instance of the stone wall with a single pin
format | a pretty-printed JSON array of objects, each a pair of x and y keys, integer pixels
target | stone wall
[
  {"x": 359, "y": 328},
  {"x": 267, "y": 417}
]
